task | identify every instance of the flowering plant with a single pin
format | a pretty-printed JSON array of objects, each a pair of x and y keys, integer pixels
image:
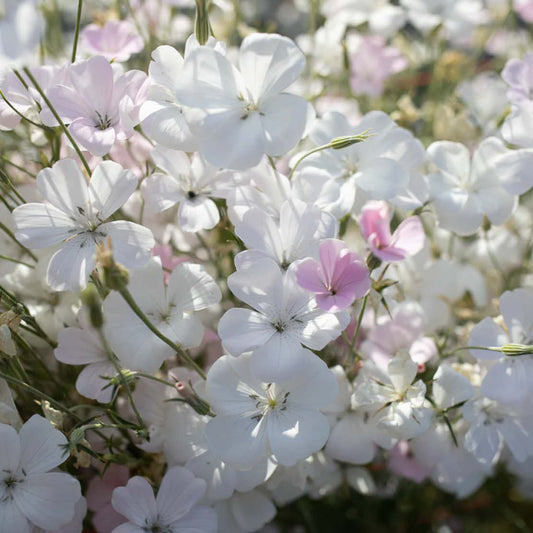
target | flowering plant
[{"x": 265, "y": 266}]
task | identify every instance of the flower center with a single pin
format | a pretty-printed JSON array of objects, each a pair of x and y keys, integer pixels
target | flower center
[
  {"x": 103, "y": 121},
  {"x": 10, "y": 481},
  {"x": 273, "y": 399}
]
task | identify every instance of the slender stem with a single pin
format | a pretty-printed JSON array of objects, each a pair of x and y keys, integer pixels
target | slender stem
[
  {"x": 461, "y": 348},
  {"x": 77, "y": 32},
  {"x": 154, "y": 378},
  {"x": 23, "y": 117},
  {"x": 12, "y": 187},
  {"x": 11, "y": 235},
  {"x": 39, "y": 394},
  {"x": 359, "y": 321},
  {"x": 18, "y": 167},
  {"x": 58, "y": 118},
  {"x": 352, "y": 349},
  {"x": 16, "y": 261},
  {"x": 307, "y": 154},
  {"x": 113, "y": 361},
  {"x": 181, "y": 353}
]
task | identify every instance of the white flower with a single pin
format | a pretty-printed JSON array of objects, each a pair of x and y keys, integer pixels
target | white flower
[
  {"x": 394, "y": 398},
  {"x": 162, "y": 114},
  {"x": 380, "y": 166},
  {"x": 189, "y": 183},
  {"x": 463, "y": 190},
  {"x": 21, "y": 27},
  {"x": 173, "y": 511},
  {"x": 284, "y": 317},
  {"x": 255, "y": 419},
  {"x": 508, "y": 379},
  {"x": 297, "y": 235},
  {"x": 169, "y": 309},
  {"x": 31, "y": 495},
  {"x": 492, "y": 426},
  {"x": 241, "y": 115},
  {"x": 78, "y": 346},
  {"x": 75, "y": 216}
]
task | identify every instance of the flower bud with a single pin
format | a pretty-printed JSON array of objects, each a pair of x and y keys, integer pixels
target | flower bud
[
  {"x": 91, "y": 299},
  {"x": 343, "y": 142},
  {"x": 512, "y": 349},
  {"x": 192, "y": 398},
  {"x": 114, "y": 276},
  {"x": 202, "y": 28},
  {"x": 372, "y": 262}
]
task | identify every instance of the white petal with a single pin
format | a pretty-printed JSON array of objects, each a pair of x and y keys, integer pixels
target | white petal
[
  {"x": 517, "y": 310},
  {"x": 269, "y": 63},
  {"x": 91, "y": 385},
  {"x": 201, "y": 519},
  {"x": 484, "y": 443},
  {"x": 71, "y": 265},
  {"x": 242, "y": 330},
  {"x": 135, "y": 501},
  {"x": 351, "y": 441},
  {"x": 110, "y": 187},
  {"x": 450, "y": 387},
  {"x": 507, "y": 380},
  {"x": 178, "y": 493},
  {"x": 42, "y": 447},
  {"x": 131, "y": 242},
  {"x": 160, "y": 192},
  {"x": 65, "y": 187},
  {"x": 10, "y": 446},
  {"x": 296, "y": 433},
  {"x": 12, "y": 519},
  {"x": 252, "y": 510},
  {"x": 238, "y": 440},
  {"x": 450, "y": 157},
  {"x": 191, "y": 288},
  {"x": 281, "y": 135},
  {"x": 41, "y": 225},
  {"x": 197, "y": 214},
  {"x": 78, "y": 347},
  {"x": 382, "y": 178},
  {"x": 487, "y": 333},
  {"x": 48, "y": 499}
]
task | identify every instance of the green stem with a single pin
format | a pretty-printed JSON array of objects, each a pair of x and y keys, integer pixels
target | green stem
[
  {"x": 16, "y": 261},
  {"x": 18, "y": 167},
  {"x": 77, "y": 32},
  {"x": 58, "y": 118},
  {"x": 181, "y": 353},
  {"x": 154, "y": 378},
  {"x": 39, "y": 394},
  {"x": 359, "y": 321},
  {"x": 11, "y": 235},
  {"x": 23, "y": 117},
  {"x": 307, "y": 154}
]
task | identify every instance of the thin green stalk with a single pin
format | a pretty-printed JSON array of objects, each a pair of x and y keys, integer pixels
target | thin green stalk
[
  {"x": 58, "y": 118},
  {"x": 138, "y": 311},
  {"x": 76, "y": 32},
  {"x": 154, "y": 378},
  {"x": 23, "y": 117},
  {"x": 12, "y": 187},
  {"x": 40, "y": 395},
  {"x": 18, "y": 167},
  {"x": 359, "y": 321},
  {"x": 11, "y": 235},
  {"x": 16, "y": 261},
  {"x": 113, "y": 361}
]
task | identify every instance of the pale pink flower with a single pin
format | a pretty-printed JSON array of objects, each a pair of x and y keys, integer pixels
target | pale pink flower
[
  {"x": 408, "y": 239},
  {"x": 117, "y": 40},
  {"x": 98, "y": 108},
  {"x": 524, "y": 8},
  {"x": 338, "y": 279},
  {"x": 403, "y": 463},
  {"x": 372, "y": 63},
  {"x": 99, "y": 492}
]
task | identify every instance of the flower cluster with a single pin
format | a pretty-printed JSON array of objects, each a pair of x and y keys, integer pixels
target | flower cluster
[{"x": 238, "y": 277}]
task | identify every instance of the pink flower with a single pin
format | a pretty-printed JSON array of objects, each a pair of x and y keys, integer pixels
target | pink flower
[
  {"x": 408, "y": 239},
  {"x": 99, "y": 108},
  {"x": 524, "y": 8},
  {"x": 403, "y": 463},
  {"x": 372, "y": 64},
  {"x": 337, "y": 280},
  {"x": 116, "y": 41},
  {"x": 99, "y": 492}
]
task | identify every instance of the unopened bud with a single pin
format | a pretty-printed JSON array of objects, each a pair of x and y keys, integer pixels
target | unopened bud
[
  {"x": 343, "y": 142},
  {"x": 372, "y": 261},
  {"x": 202, "y": 28},
  {"x": 191, "y": 397},
  {"x": 92, "y": 300},
  {"x": 114, "y": 276},
  {"x": 516, "y": 349}
]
